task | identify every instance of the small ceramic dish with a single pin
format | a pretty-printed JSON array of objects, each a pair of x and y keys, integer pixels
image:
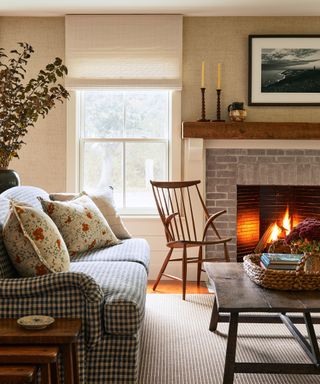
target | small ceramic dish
[{"x": 35, "y": 322}]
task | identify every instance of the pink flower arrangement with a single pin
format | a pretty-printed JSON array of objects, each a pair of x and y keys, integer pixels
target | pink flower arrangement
[{"x": 305, "y": 237}]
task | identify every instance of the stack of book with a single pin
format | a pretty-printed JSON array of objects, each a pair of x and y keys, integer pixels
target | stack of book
[{"x": 282, "y": 261}]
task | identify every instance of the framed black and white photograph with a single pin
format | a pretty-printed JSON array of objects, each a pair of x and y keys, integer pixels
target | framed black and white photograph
[{"x": 284, "y": 70}]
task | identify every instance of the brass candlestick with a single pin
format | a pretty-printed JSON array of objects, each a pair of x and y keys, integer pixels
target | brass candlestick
[
  {"x": 218, "y": 106},
  {"x": 203, "y": 105}
]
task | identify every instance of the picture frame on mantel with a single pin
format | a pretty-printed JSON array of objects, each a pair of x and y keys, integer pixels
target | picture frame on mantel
[{"x": 284, "y": 70}]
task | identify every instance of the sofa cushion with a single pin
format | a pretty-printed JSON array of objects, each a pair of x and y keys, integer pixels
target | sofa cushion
[
  {"x": 6, "y": 267},
  {"x": 81, "y": 224},
  {"x": 134, "y": 250},
  {"x": 33, "y": 242},
  {"x": 26, "y": 194},
  {"x": 124, "y": 287},
  {"x": 104, "y": 200},
  {"x": 23, "y": 194}
]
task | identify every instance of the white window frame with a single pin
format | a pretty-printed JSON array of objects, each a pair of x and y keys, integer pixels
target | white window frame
[{"x": 73, "y": 138}]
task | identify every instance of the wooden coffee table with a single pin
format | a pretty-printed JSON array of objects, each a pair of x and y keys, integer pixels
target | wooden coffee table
[{"x": 235, "y": 293}]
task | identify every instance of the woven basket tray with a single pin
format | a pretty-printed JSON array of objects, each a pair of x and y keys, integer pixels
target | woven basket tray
[{"x": 297, "y": 280}]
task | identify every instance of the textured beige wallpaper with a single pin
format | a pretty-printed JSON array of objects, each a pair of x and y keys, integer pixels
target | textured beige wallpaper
[
  {"x": 225, "y": 40},
  {"x": 213, "y": 39},
  {"x": 43, "y": 160}
]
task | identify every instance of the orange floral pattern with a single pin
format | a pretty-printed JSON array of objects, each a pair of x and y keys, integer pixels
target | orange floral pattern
[
  {"x": 85, "y": 227},
  {"x": 81, "y": 224},
  {"x": 50, "y": 208},
  {"x": 38, "y": 234},
  {"x": 34, "y": 243},
  {"x": 41, "y": 270}
]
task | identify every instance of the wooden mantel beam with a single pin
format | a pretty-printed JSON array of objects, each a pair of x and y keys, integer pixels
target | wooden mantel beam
[{"x": 251, "y": 130}]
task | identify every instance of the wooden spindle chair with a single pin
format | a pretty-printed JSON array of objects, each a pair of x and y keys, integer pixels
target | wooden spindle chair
[{"x": 176, "y": 205}]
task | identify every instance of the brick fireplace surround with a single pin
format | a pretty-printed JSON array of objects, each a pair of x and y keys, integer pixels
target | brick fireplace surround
[
  {"x": 228, "y": 167},
  {"x": 223, "y": 155}
]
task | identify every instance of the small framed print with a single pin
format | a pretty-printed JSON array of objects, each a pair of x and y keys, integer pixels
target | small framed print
[{"x": 284, "y": 70}]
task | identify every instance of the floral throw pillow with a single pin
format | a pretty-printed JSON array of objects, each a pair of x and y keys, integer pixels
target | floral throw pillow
[
  {"x": 104, "y": 200},
  {"x": 33, "y": 242},
  {"x": 81, "y": 224}
]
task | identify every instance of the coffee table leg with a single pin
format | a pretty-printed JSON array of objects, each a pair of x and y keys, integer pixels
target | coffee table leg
[
  {"x": 314, "y": 347},
  {"x": 231, "y": 349},
  {"x": 214, "y": 316},
  {"x": 68, "y": 364}
]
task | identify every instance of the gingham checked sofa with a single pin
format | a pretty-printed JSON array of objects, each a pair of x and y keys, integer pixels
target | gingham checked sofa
[{"x": 105, "y": 288}]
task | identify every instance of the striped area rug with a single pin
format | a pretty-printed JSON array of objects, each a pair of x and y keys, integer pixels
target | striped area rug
[{"x": 178, "y": 348}]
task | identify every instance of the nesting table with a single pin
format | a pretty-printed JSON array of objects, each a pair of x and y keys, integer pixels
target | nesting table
[
  {"x": 238, "y": 299},
  {"x": 62, "y": 333}
]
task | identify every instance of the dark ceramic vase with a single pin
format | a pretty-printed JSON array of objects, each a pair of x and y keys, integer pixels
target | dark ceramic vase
[{"x": 8, "y": 179}]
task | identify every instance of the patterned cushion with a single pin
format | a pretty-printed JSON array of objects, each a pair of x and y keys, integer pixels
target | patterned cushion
[
  {"x": 81, "y": 224},
  {"x": 23, "y": 194},
  {"x": 105, "y": 202},
  {"x": 6, "y": 267},
  {"x": 124, "y": 286},
  {"x": 134, "y": 250},
  {"x": 33, "y": 242}
]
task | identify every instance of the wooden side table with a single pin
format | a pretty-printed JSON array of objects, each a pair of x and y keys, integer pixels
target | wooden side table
[
  {"x": 18, "y": 374},
  {"x": 63, "y": 332},
  {"x": 44, "y": 357}
]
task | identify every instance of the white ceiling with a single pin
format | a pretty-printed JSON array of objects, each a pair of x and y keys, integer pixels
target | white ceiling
[{"x": 185, "y": 7}]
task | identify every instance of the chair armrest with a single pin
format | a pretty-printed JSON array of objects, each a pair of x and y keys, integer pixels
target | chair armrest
[
  {"x": 65, "y": 294},
  {"x": 209, "y": 223},
  {"x": 167, "y": 223}
]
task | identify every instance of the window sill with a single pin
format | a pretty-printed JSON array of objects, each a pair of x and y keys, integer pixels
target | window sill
[{"x": 140, "y": 217}]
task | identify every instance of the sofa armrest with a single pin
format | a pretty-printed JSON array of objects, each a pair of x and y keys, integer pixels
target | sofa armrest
[
  {"x": 35, "y": 286},
  {"x": 65, "y": 294}
]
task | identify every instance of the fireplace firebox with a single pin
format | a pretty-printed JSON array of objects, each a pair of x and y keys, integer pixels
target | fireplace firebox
[{"x": 261, "y": 206}]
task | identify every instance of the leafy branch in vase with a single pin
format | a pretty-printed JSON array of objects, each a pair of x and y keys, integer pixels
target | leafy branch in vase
[{"x": 21, "y": 105}]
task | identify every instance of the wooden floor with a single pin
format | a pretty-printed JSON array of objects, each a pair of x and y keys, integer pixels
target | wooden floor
[{"x": 171, "y": 286}]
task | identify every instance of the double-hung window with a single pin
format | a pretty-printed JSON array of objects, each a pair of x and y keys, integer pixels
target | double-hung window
[
  {"x": 124, "y": 143},
  {"x": 126, "y": 74}
]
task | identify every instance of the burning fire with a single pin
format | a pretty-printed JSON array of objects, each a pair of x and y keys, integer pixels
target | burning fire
[
  {"x": 275, "y": 233},
  {"x": 279, "y": 231}
]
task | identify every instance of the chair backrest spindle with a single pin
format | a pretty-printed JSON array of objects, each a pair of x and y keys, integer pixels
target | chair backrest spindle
[
  {"x": 174, "y": 200},
  {"x": 179, "y": 213},
  {"x": 191, "y": 213}
]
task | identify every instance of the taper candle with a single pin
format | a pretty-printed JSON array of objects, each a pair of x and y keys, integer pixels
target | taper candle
[
  {"x": 219, "y": 77},
  {"x": 202, "y": 75}
]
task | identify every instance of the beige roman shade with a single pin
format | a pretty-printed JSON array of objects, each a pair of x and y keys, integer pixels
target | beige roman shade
[{"x": 142, "y": 51}]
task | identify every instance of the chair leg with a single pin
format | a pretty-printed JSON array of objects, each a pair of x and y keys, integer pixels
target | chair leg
[
  {"x": 164, "y": 266},
  {"x": 226, "y": 252},
  {"x": 199, "y": 265},
  {"x": 184, "y": 272}
]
